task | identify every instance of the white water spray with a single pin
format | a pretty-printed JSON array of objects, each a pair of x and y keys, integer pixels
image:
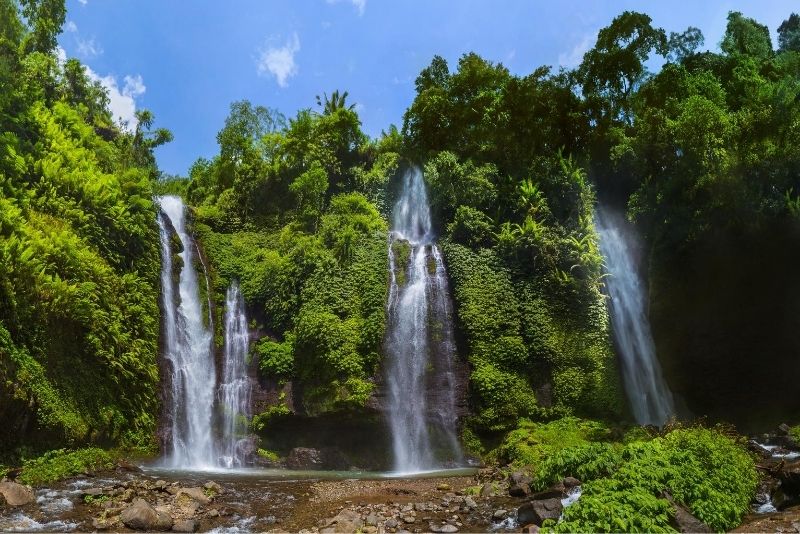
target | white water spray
[
  {"x": 234, "y": 392},
  {"x": 188, "y": 348},
  {"x": 649, "y": 396},
  {"x": 419, "y": 338}
]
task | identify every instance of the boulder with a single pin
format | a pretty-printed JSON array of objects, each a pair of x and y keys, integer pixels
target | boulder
[
  {"x": 487, "y": 490},
  {"x": 683, "y": 520},
  {"x": 571, "y": 482},
  {"x": 790, "y": 478},
  {"x": 196, "y": 494},
  {"x": 500, "y": 514},
  {"x": 519, "y": 490},
  {"x": 346, "y": 521},
  {"x": 141, "y": 516},
  {"x": 16, "y": 494},
  {"x": 187, "y": 525},
  {"x": 213, "y": 487},
  {"x": 304, "y": 458},
  {"x": 535, "y": 512},
  {"x": 518, "y": 477}
]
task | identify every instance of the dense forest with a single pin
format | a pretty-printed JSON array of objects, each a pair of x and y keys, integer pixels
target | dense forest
[{"x": 702, "y": 157}]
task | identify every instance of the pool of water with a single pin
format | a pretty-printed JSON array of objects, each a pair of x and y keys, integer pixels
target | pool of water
[{"x": 289, "y": 475}]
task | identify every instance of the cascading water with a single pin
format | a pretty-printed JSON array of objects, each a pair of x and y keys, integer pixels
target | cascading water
[
  {"x": 234, "y": 392},
  {"x": 188, "y": 348},
  {"x": 649, "y": 396},
  {"x": 420, "y": 343}
]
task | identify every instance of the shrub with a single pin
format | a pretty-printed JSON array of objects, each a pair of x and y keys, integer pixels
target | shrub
[{"x": 59, "y": 464}]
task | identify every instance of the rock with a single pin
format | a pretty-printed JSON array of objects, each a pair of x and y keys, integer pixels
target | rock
[
  {"x": 304, "y": 458},
  {"x": 469, "y": 502},
  {"x": 519, "y": 478},
  {"x": 530, "y": 529},
  {"x": 100, "y": 523},
  {"x": 519, "y": 490},
  {"x": 140, "y": 516},
  {"x": 391, "y": 523},
  {"x": 195, "y": 493},
  {"x": 447, "y": 527},
  {"x": 790, "y": 478},
  {"x": 408, "y": 519},
  {"x": 187, "y": 525},
  {"x": 16, "y": 494},
  {"x": 213, "y": 487},
  {"x": 487, "y": 490},
  {"x": 684, "y": 521},
  {"x": 164, "y": 520},
  {"x": 444, "y": 487},
  {"x": 346, "y": 521},
  {"x": 784, "y": 428},
  {"x": 92, "y": 492},
  {"x": 535, "y": 512},
  {"x": 499, "y": 515},
  {"x": 124, "y": 465},
  {"x": 571, "y": 482},
  {"x": 213, "y": 513},
  {"x": 372, "y": 520}
]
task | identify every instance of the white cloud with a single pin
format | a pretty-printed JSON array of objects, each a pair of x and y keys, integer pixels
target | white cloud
[
  {"x": 88, "y": 48},
  {"x": 279, "y": 61},
  {"x": 574, "y": 57},
  {"x": 83, "y": 2},
  {"x": 61, "y": 55},
  {"x": 122, "y": 102},
  {"x": 70, "y": 26},
  {"x": 358, "y": 4}
]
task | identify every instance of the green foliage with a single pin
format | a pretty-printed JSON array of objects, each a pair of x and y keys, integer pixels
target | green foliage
[
  {"x": 706, "y": 470},
  {"x": 274, "y": 413},
  {"x": 275, "y": 359},
  {"x": 795, "y": 433},
  {"x": 79, "y": 256},
  {"x": 59, "y": 464},
  {"x": 532, "y": 443},
  {"x": 272, "y": 456}
]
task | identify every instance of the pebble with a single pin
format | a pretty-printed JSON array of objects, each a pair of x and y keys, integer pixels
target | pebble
[{"x": 499, "y": 515}]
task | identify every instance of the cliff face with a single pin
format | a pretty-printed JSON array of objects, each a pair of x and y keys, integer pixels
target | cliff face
[{"x": 726, "y": 320}]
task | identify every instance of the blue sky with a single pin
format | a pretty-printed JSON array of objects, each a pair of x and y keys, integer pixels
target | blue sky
[{"x": 187, "y": 64}]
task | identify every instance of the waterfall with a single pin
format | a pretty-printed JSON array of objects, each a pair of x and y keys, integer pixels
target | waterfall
[
  {"x": 234, "y": 392},
  {"x": 649, "y": 396},
  {"x": 188, "y": 348},
  {"x": 420, "y": 344}
]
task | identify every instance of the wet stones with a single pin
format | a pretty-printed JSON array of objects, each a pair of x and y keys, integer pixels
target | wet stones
[
  {"x": 186, "y": 525},
  {"x": 16, "y": 494},
  {"x": 535, "y": 512},
  {"x": 141, "y": 516}
]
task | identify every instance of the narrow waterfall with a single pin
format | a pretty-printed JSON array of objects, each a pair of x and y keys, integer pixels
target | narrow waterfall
[
  {"x": 649, "y": 396},
  {"x": 234, "y": 392},
  {"x": 188, "y": 348},
  {"x": 420, "y": 343}
]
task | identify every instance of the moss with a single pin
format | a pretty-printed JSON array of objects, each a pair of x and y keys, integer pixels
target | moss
[
  {"x": 795, "y": 433},
  {"x": 59, "y": 464},
  {"x": 270, "y": 415},
  {"x": 272, "y": 456},
  {"x": 401, "y": 249}
]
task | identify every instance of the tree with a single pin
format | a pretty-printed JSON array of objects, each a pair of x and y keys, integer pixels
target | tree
[
  {"x": 744, "y": 36},
  {"x": 614, "y": 68},
  {"x": 789, "y": 34},
  {"x": 44, "y": 19},
  {"x": 335, "y": 102},
  {"x": 683, "y": 45}
]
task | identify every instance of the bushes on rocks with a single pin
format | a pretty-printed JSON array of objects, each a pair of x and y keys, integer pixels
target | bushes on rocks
[{"x": 59, "y": 464}]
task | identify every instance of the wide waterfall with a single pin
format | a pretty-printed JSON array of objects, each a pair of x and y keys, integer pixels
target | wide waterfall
[
  {"x": 649, "y": 396},
  {"x": 235, "y": 389},
  {"x": 188, "y": 347},
  {"x": 420, "y": 343}
]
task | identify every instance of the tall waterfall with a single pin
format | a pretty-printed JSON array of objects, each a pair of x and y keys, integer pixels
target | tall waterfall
[
  {"x": 188, "y": 348},
  {"x": 649, "y": 396},
  {"x": 420, "y": 343},
  {"x": 235, "y": 390}
]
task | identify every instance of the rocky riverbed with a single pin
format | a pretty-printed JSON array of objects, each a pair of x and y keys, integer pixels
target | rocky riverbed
[{"x": 489, "y": 500}]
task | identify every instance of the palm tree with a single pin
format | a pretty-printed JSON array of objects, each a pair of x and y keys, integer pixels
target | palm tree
[{"x": 334, "y": 103}]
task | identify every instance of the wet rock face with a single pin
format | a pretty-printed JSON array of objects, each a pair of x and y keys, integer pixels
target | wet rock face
[
  {"x": 535, "y": 512},
  {"x": 16, "y": 494},
  {"x": 304, "y": 458}
]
